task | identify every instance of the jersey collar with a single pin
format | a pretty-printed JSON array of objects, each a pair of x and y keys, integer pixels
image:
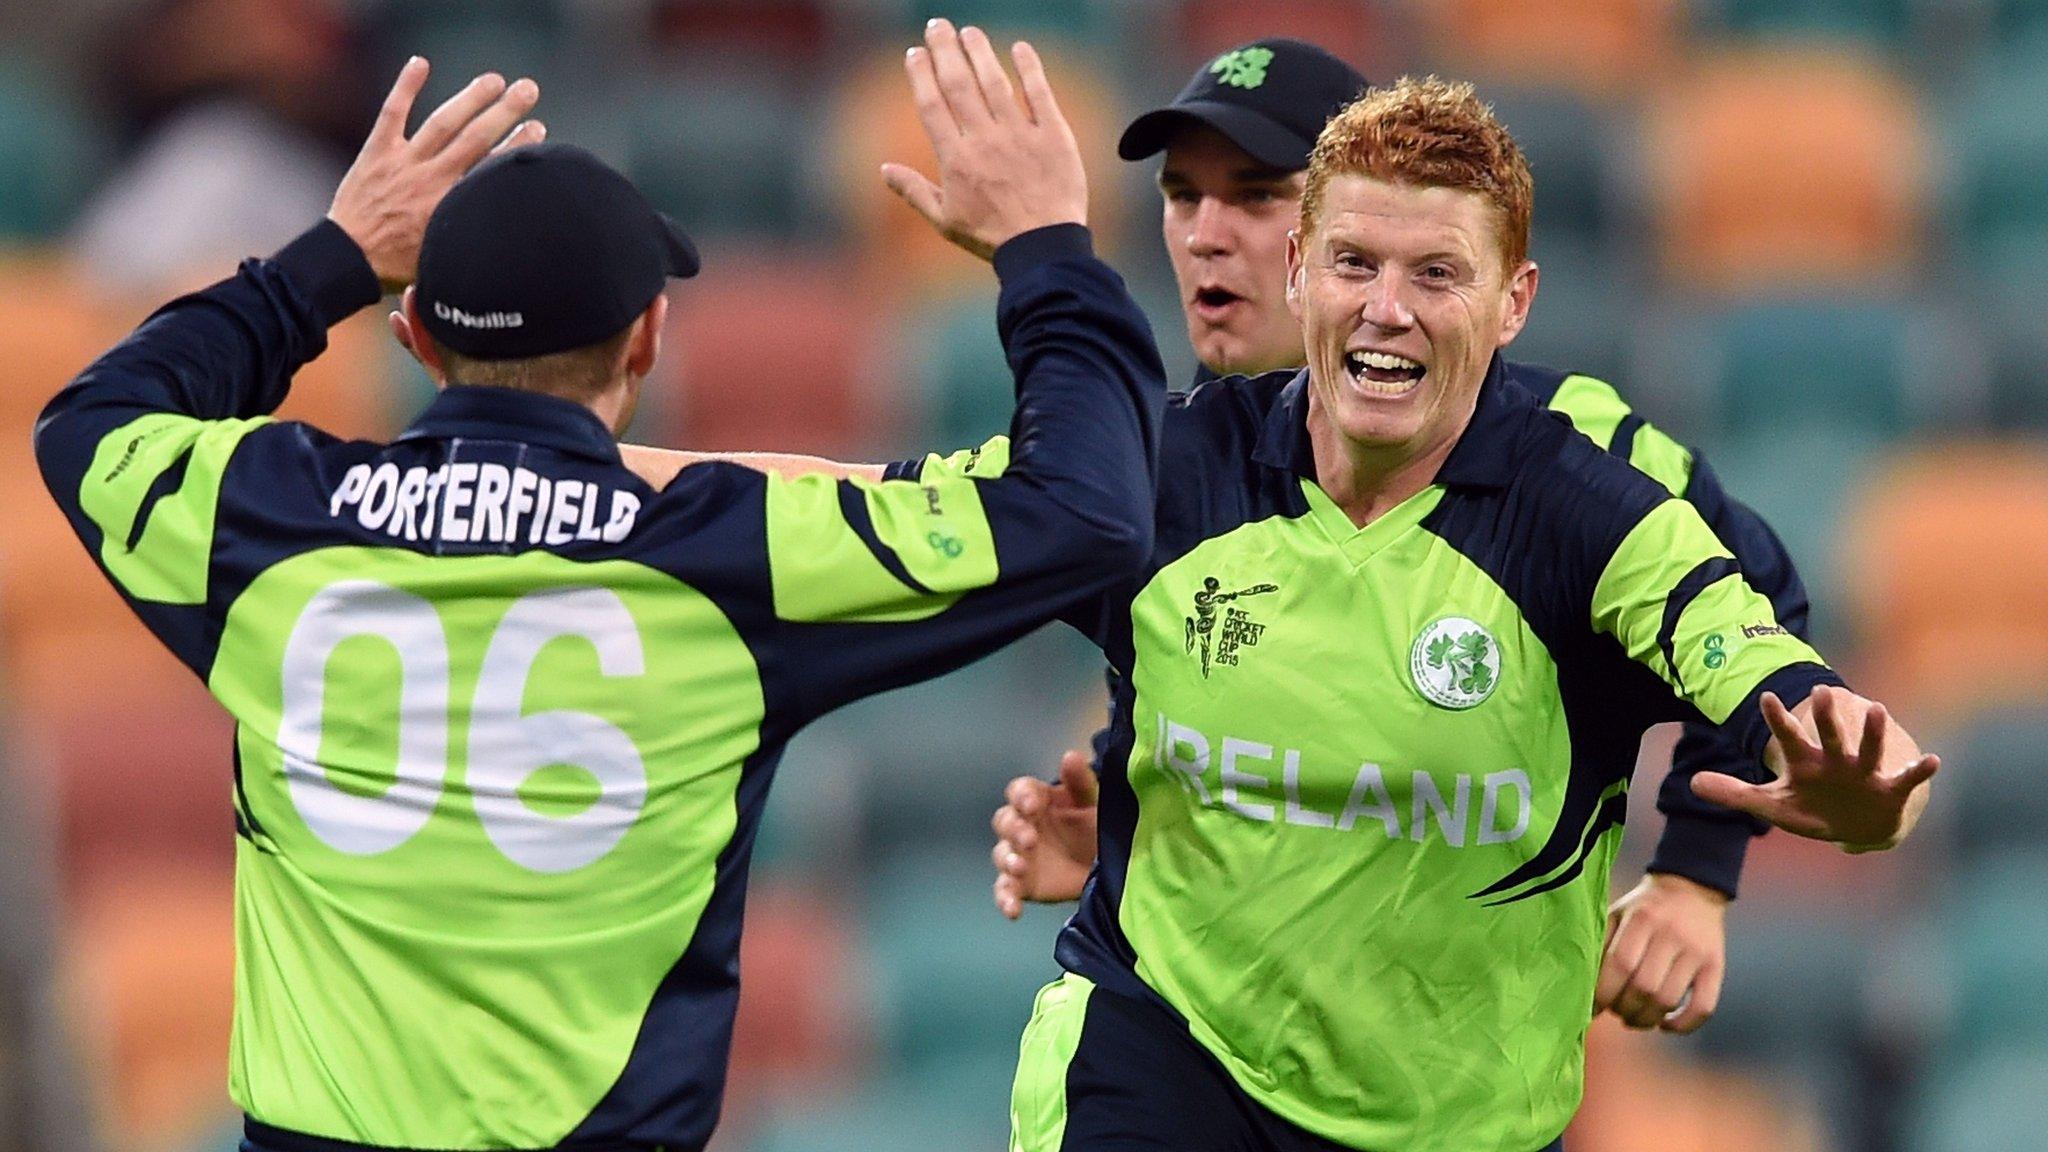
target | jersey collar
[
  {"x": 510, "y": 414},
  {"x": 1483, "y": 457}
]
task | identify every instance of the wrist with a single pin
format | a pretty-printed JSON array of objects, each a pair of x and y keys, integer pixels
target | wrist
[
  {"x": 329, "y": 267},
  {"x": 1674, "y": 883}
]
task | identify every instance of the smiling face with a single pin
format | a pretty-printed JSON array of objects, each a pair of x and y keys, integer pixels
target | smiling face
[
  {"x": 1225, "y": 221},
  {"x": 1403, "y": 293}
]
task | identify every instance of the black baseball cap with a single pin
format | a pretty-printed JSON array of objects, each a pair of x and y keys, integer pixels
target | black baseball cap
[
  {"x": 543, "y": 249},
  {"x": 1269, "y": 97}
]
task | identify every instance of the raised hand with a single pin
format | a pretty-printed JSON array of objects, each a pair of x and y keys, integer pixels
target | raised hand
[
  {"x": 1005, "y": 167},
  {"x": 384, "y": 200},
  {"x": 1045, "y": 837},
  {"x": 1845, "y": 772},
  {"x": 1667, "y": 951}
]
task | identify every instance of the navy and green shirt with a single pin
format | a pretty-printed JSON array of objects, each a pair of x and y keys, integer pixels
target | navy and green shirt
[
  {"x": 506, "y": 716},
  {"x": 1364, "y": 786},
  {"x": 1701, "y": 841}
]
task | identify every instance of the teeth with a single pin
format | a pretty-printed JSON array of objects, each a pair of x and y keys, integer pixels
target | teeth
[
  {"x": 1383, "y": 360},
  {"x": 1357, "y": 361}
]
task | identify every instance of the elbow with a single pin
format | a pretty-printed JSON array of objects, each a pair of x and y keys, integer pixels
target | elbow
[{"x": 1112, "y": 543}]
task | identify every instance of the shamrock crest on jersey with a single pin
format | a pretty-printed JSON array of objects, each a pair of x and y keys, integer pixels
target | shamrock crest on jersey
[
  {"x": 1239, "y": 629},
  {"x": 1455, "y": 662}
]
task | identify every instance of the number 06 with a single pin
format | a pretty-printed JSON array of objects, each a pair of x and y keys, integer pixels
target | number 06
[{"x": 505, "y": 748}]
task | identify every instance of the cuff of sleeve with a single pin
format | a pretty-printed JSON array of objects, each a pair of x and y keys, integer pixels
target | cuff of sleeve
[
  {"x": 326, "y": 265},
  {"x": 903, "y": 470},
  {"x": 1704, "y": 851},
  {"x": 1793, "y": 684},
  {"x": 1027, "y": 250}
]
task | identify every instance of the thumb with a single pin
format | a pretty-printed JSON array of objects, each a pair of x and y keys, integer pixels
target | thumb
[
  {"x": 915, "y": 190},
  {"x": 1729, "y": 792},
  {"x": 1078, "y": 778}
]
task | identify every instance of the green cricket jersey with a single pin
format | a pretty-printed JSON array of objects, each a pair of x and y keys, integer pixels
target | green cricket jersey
[
  {"x": 1365, "y": 785},
  {"x": 506, "y": 716}
]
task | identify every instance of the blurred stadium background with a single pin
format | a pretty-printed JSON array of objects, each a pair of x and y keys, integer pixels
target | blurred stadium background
[{"x": 1808, "y": 236}]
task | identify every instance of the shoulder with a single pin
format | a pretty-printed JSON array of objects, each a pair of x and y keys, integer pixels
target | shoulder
[
  {"x": 1541, "y": 382},
  {"x": 1599, "y": 411},
  {"x": 1584, "y": 492}
]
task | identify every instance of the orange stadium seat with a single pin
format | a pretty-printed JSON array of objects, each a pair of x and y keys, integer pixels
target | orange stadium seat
[
  {"x": 873, "y": 121},
  {"x": 798, "y": 1031},
  {"x": 350, "y": 390},
  {"x": 1946, "y": 567},
  {"x": 148, "y": 981},
  {"x": 1598, "y": 47},
  {"x": 1771, "y": 162},
  {"x": 1639, "y": 1096},
  {"x": 770, "y": 351}
]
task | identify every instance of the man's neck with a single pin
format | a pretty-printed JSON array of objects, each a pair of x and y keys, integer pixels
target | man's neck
[{"x": 1366, "y": 482}]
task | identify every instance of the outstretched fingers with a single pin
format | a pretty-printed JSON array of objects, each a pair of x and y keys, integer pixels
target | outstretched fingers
[
  {"x": 389, "y": 130},
  {"x": 1038, "y": 97},
  {"x": 1828, "y": 723},
  {"x": 1792, "y": 736},
  {"x": 997, "y": 95},
  {"x": 476, "y": 139},
  {"x": 528, "y": 132},
  {"x": 455, "y": 113},
  {"x": 956, "y": 79},
  {"x": 1729, "y": 792},
  {"x": 1917, "y": 773},
  {"x": 915, "y": 190}
]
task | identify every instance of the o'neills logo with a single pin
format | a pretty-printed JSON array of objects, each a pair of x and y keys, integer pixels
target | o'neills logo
[{"x": 455, "y": 315}]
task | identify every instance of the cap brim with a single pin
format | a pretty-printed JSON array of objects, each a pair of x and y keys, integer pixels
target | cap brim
[
  {"x": 682, "y": 254},
  {"x": 1264, "y": 139}
]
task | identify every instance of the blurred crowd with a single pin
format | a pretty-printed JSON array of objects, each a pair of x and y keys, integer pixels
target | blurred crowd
[{"x": 1809, "y": 237}]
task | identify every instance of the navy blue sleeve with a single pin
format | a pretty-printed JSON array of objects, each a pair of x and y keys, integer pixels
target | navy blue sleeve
[
  {"x": 134, "y": 450},
  {"x": 1705, "y": 842},
  {"x": 897, "y": 580}
]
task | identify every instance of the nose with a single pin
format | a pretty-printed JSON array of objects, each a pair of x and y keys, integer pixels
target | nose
[
  {"x": 1209, "y": 232},
  {"x": 1386, "y": 304}
]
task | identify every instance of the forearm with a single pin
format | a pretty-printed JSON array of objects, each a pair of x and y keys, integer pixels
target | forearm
[
  {"x": 226, "y": 352},
  {"x": 658, "y": 466},
  {"x": 1090, "y": 387}
]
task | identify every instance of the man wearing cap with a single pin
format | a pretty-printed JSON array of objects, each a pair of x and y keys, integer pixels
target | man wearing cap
[
  {"x": 506, "y": 714},
  {"x": 1237, "y": 140}
]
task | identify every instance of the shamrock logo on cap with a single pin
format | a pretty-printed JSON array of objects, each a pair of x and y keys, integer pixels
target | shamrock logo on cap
[{"x": 1243, "y": 67}]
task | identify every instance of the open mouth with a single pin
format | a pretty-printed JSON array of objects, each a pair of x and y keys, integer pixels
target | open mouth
[
  {"x": 1382, "y": 372},
  {"x": 1216, "y": 298}
]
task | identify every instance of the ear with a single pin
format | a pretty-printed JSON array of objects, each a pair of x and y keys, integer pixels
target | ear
[
  {"x": 1294, "y": 273},
  {"x": 412, "y": 336},
  {"x": 1521, "y": 294},
  {"x": 643, "y": 348}
]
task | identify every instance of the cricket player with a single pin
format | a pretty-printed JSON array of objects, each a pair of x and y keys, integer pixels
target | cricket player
[
  {"x": 506, "y": 715},
  {"x": 1236, "y": 141},
  {"x": 1353, "y": 852}
]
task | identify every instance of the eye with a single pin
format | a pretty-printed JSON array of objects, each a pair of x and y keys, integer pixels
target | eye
[
  {"x": 1183, "y": 196},
  {"x": 1258, "y": 196},
  {"x": 1439, "y": 274},
  {"x": 1349, "y": 260}
]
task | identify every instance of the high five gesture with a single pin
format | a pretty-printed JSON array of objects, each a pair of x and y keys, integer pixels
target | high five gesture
[{"x": 1005, "y": 166}]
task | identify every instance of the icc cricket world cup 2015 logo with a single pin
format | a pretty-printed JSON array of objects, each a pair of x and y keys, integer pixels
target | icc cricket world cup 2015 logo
[{"x": 1238, "y": 631}]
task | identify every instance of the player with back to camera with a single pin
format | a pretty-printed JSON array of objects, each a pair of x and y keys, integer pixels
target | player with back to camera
[{"x": 505, "y": 714}]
